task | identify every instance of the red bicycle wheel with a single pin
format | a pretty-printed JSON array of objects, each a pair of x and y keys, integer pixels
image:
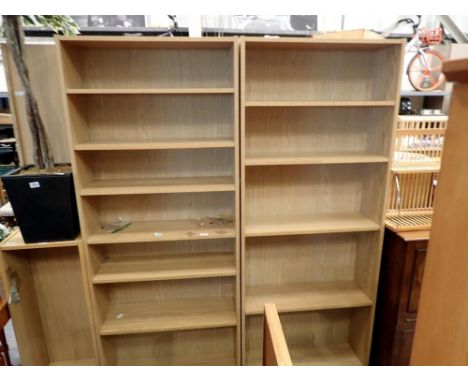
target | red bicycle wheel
[{"x": 428, "y": 78}]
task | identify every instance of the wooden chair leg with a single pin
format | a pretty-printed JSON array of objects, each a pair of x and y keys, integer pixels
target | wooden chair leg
[{"x": 4, "y": 349}]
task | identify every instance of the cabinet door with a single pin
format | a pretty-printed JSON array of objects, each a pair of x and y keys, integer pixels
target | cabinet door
[
  {"x": 402, "y": 346},
  {"x": 416, "y": 280}
]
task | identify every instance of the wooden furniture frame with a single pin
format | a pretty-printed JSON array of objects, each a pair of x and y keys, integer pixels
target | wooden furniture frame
[
  {"x": 275, "y": 348},
  {"x": 53, "y": 321},
  {"x": 317, "y": 121},
  {"x": 153, "y": 130},
  {"x": 441, "y": 336}
]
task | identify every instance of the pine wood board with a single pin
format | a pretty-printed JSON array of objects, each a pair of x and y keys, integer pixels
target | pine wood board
[{"x": 268, "y": 159}]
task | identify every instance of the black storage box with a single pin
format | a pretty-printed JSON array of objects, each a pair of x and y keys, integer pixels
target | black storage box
[{"x": 44, "y": 205}]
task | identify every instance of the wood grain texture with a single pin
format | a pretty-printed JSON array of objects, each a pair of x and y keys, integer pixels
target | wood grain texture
[
  {"x": 275, "y": 348},
  {"x": 305, "y": 297},
  {"x": 441, "y": 337},
  {"x": 315, "y": 147}
]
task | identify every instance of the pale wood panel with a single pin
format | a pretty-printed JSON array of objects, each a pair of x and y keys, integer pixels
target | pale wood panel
[
  {"x": 164, "y": 207},
  {"x": 152, "y": 91},
  {"x": 164, "y": 316},
  {"x": 193, "y": 347},
  {"x": 301, "y": 190},
  {"x": 441, "y": 336},
  {"x": 133, "y": 268},
  {"x": 159, "y": 164},
  {"x": 275, "y": 348},
  {"x": 314, "y": 338},
  {"x": 288, "y": 259},
  {"x": 51, "y": 320},
  {"x": 15, "y": 242},
  {"x": 154, "y": 118},
  {"x": 130, "y": 67},
  {"x": 313, "y": 75},
  {"x": 278, "y": 131},
  {"x": 43, "y": 66}
]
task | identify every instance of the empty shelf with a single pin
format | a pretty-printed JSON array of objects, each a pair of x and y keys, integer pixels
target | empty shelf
[
  {"x": 75, "y": 362},
  {"x": 308, "y": 224},
  {"x": 199, "y": 359},
  {"x": 163, "y": 316},
  {"x": 140, "y": 232},
  {"x": 15, "y": 242},
  {"x": 323, "y": 355},
  {"x": 159, "y": 185},
  {"x": 169, "y": 267},
  {"x": 306, "y": 297},
  {"x": 158, "y": 145},
  {"x": 318, "y": 103},
  {"x": 269, "y": 159},
  {"x": 153, "y": 91}
]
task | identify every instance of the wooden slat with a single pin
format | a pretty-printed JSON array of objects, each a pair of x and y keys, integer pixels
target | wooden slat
[
  {"x": 139, "y": 232},
  {"x": 306, "y": 297},
  {"x": 158, "y": 186},
  {"x": 163, "y": 316},
  {"x": 15, "y": 242},
  {"x": 153, "y": 91},
  {"x": 275, "y": 348},
  {"x": 159, "y": 145},
  {"x": 318, "y": 103},
  {"x": 269, "y": 159},
  {"x": 169, "y": 267},
  {"x": 298, "y": 225}
]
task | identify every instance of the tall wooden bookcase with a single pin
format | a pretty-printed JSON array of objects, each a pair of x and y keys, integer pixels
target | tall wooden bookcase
[
  {"x": 317, "y": 121},
  {"x": 153, "y": 129}
]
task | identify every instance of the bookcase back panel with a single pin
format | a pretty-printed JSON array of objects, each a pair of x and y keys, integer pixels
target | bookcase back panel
[
  {"x": 283, "y": 130},
  {"x": 51, "y": 280},
  {"x": 300, "y": 259},
  {"x": 165, "y": 248},
  {"x": 124, "y": 118},
  {"x": 170, "y": 290},
  {"x": 164, "y": 207},
  {"x": 321, "y": 75},
  {"x": 191, "y": 347},
  {"x": 158, "y": 163},
  {"x": 303, "y": 190},
  {"x": 133, "y": 67}
]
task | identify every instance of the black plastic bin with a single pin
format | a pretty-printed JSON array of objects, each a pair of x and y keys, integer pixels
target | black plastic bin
[{"x": 44, "y": 205}]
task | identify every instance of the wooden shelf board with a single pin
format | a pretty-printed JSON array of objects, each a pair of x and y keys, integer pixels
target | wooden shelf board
[
  {"x": 173, "y": 230},
  {"x": 323, "y": 355},
  {"x": 159, "y": 185},
  {"x": 153, "y": 91},
  {"x": 169, "y": 267},
  {"x": 76, "y": 362},
  {"x": 434, "y": 167},
  {"x": 318, "y": 103},
  {"x": 15, "y": 242},
  {"x": 174, "y": 315},
  {"x": 159, "y": 145},
  {"x": 303, "y": 297},
  {"x": 199, "y": 359},
  {"x": 308, "y": 224},
  {"x": 132, "y": 42},
  {"x": 269, "y": 159}
]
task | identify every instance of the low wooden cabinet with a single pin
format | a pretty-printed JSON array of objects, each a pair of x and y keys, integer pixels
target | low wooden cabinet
[{"x": 402, "y": 269}]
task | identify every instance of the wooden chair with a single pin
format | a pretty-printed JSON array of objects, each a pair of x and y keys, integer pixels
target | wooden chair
[
  {"x": 275, "y": 348},
  {"x": 4, "y": 318}
]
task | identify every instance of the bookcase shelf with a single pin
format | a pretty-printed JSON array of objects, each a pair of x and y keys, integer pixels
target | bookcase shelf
[
  {"x": 168, "y": 267},
  {"x": 306, "y": 297},
  {"x": 153, "y": 91},
  {"x": 167, "y": 316},
  {"x": 308, "y": 224},
  {"x": 153, "y": 128},
  {"x": 315, "y": 163}
]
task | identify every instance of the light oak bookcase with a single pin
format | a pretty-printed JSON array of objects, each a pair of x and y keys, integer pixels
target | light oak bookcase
[
  {"x": 317, "y": 120},
  {"x": 153, "y": 129},
  {"x": 52, "y": 320}
]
